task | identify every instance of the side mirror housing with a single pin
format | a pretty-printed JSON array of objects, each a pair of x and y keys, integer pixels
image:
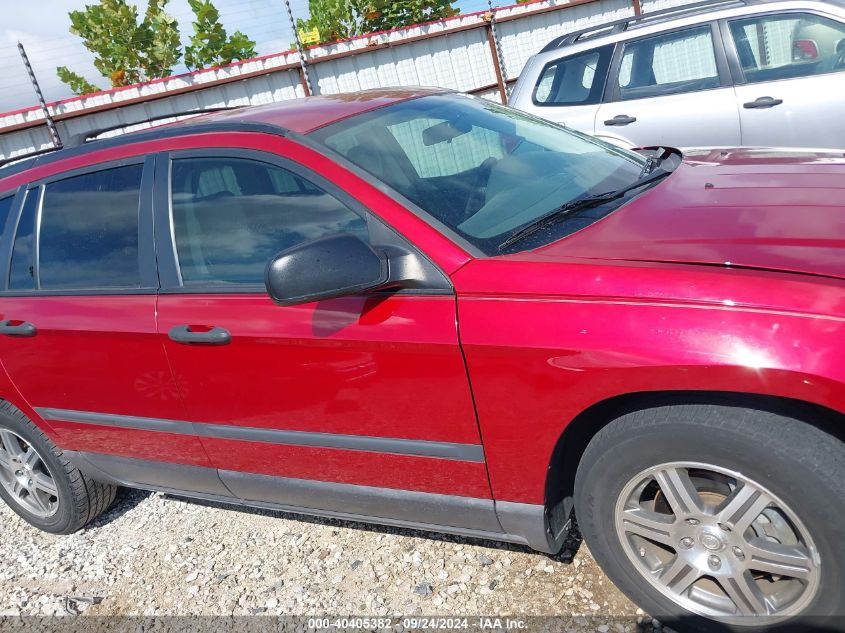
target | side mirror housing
[{"x": 325, "y": 268}]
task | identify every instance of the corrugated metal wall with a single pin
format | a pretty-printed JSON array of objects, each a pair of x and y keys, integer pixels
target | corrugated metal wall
[{"x": 454, "y": 53}]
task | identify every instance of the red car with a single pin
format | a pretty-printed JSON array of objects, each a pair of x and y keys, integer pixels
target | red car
[{"x": 422, "y": 309}]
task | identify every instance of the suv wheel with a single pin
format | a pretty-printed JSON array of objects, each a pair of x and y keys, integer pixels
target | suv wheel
[
  {"x": 724, "y": 513},
  {"x": 39, "y": 484}
]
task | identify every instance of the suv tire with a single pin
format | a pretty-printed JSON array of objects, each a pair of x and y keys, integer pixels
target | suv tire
[
  {"x": 761, "y": 483},
  {"x": 40, "y": 484}
]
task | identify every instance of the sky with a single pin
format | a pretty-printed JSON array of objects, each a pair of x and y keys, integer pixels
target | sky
[{"x": 42, "y": 27}]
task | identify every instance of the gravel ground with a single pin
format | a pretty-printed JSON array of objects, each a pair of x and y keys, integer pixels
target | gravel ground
[{"x": 156, "y": 555}]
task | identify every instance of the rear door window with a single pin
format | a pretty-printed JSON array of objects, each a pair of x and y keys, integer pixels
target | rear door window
[
  {"x": 576, "y": 80},
  {"x": 88, "y": 234},
  {"x": 673, "y": 63},
  {"x": 231, "y": 216},
  {"x": 788, "y": 45}
]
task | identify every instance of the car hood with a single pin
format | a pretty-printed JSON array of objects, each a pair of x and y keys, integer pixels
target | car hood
[{"x": 757, "y": 208}]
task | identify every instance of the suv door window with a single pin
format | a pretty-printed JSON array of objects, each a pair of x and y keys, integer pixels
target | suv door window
[
  {"x": 232, "y": 215},
  {"x": 576, "y": 80},
  {"x": 788, "y": 45},
  {"x": 88, "y": 235},
  {"x": 682, "y": 61}
]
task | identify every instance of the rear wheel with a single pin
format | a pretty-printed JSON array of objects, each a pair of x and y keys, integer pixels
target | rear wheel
[
  {"x": 40, "y": 484},
  {"x": 718, "y": 513}
]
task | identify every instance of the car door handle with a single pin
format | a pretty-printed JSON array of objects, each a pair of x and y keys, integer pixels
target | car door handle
[
  {"x": 200, "y": 335},
  {"x": 17, "y": 328},
  {"x": 762, "y": 102},
  {"x": 621, "y": 119}
]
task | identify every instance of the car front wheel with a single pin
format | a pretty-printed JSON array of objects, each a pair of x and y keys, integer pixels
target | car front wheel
[{"x": 703, "y": 513}]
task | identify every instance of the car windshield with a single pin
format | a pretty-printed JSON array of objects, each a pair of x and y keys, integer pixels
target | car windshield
[{"x": 485, "y": 171}]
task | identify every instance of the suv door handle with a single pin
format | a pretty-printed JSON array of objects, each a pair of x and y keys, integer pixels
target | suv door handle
[
  {"x": 193, "y": 335},
  {"x": 621, "y": 119},
  {"x": 17, "y": 328},
  {"x": 762, "y": 102}
]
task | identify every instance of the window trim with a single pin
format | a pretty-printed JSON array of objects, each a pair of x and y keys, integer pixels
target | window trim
[
  {"x": 148, "y": 276},
  {"x": 165, "y": 238},
  {"x": 612, "y": 91},
  {"x": 608, "y": 49},
  {"x": 36, "y": 238},
  {"x": 736, "y": 70}
]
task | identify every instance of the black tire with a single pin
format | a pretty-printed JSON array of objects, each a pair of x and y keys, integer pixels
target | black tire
[
  {"x": 79, "y": 500},
  {"x": 799, "y": 463}
]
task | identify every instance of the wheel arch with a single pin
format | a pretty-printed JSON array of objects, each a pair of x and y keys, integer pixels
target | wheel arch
[
  {"x": 18, "y": 404},
  {"x": 573, "y": 441}
]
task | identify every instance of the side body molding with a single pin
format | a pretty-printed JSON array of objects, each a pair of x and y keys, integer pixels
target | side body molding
[{"x": 419, "y": 448}]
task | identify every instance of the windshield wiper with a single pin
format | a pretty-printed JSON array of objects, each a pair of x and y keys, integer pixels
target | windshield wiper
[
  {"x": 651, "y": 164},
  {"x": 579, "y": 204}
]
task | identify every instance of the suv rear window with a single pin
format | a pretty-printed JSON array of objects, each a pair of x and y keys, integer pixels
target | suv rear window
[
  {"x": 89, "y": 231},
  {"x": 576, "y": 80}
]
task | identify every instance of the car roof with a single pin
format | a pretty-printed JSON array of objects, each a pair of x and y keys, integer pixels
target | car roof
[
  {"x": 610, "y": 31},
  {"x": 297, "y": 116},
  {"x": 310, "y": 113}
]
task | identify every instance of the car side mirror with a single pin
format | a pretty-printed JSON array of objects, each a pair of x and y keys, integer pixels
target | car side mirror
[{"x": 325, "y": 268}]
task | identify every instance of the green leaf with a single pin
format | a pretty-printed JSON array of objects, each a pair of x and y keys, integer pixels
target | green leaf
[
  {"x": 126, "y": 51},
  {"x": 77, "y": 83},
  {"x": 210, "y": 44},
  {"x": 340, "y": 19}
]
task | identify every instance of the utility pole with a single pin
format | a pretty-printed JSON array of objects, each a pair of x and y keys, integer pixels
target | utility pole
[
  {"x": 303, "y": 67},
  {"x": 51, "y": 124}
]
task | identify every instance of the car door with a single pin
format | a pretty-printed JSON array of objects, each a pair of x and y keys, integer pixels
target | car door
[
  {"x": 671, "y": 89},
  {"x": 569, "y": 90},
  {"x": 295, "y": 404},
  {"x": 790, "y": 76},
  {"x": 77, "y": 314}
]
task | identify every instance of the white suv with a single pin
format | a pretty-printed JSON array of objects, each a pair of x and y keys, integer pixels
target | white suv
[{"x": 768, "y": 73}]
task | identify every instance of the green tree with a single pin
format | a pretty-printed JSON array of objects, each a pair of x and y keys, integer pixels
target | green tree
[
  {"x": 210, "y": 44},
  {"x": 77, "y": 82},
  {"x": 126, "y": 52},
  {"x": 334, "y": 19},
  {"x": 341, "y": 19},
  {"x": 381, "y": 15},
  {"x": 161, "y": 33}
]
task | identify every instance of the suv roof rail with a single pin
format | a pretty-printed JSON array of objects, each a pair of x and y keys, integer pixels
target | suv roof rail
[
  {"x": 28, "y": 155},
  {"x": 91, "y": 135},
  {"x": 618, "y": 26}
]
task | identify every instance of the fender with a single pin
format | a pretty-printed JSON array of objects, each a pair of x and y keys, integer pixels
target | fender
[{"x": 546, "y": 358}]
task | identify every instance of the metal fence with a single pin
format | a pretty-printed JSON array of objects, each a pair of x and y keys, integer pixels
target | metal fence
[{"x": 480, "y": 53}]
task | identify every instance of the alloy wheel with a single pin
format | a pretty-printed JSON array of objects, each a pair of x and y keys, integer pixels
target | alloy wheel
[
  {"x": 24, "y": 474},
  {"x": 717, "y": 543}
]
